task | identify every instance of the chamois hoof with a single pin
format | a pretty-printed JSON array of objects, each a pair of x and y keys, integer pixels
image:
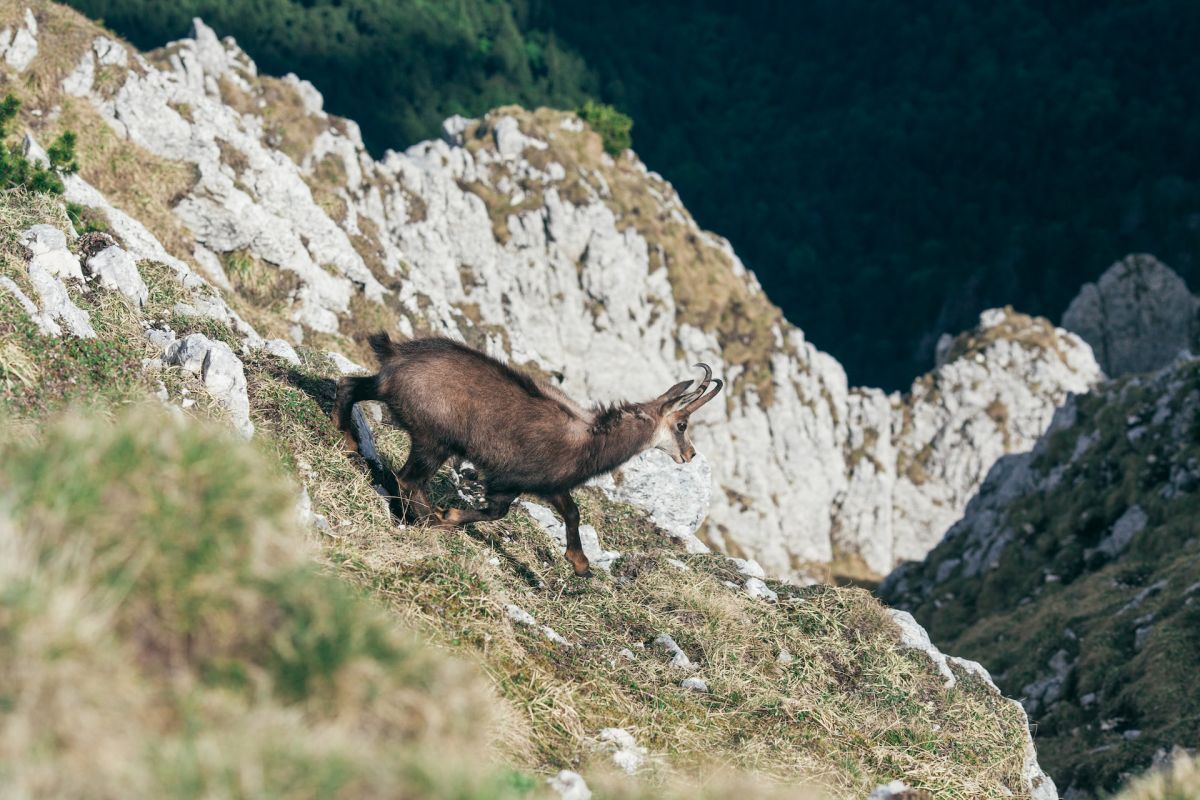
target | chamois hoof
[{"x": 585, "y": 571}]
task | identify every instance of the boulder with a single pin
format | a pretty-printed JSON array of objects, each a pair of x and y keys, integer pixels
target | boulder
[
  {"x": 116, "y": 270},
  {"x": 1137, "y": 317},
  {"x": 220, "y": 370}
]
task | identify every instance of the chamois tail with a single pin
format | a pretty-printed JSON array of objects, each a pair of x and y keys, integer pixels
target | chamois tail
[
  {"x": 351, "y": 390},
  {"x": 383, "y": 345}
]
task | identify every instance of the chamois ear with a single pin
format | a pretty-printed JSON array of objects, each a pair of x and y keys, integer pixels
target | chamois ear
[{"x": 669, "y": 397}]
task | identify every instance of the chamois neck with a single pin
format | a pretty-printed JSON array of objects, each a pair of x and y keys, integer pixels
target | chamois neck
[{"x": 618, "y": 434}]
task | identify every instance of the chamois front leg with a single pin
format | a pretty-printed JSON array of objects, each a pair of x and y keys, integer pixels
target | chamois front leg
[
  {"x": 412, "y": 503},
  {"x": 564, "y": 504}
]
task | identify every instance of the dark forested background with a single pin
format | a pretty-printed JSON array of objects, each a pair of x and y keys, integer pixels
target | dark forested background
[{"x": 887, "y": 168}]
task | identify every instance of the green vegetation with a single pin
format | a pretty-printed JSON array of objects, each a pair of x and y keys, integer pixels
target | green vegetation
[
  {"x": 17, "y": 170},
  {"x": 166, "y": 636},
  {"x": 887, "y": 169},
  {"x": 613, "y": 126},
  {"x": 1128, "y": 624}
]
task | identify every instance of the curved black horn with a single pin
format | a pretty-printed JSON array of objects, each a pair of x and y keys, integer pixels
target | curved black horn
[
  {"x": 699, "y": 401},
  {"x": 698, "y": 389}
]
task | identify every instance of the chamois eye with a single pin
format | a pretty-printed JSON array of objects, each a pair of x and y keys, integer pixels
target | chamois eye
[{"x": 681, "y": 426}]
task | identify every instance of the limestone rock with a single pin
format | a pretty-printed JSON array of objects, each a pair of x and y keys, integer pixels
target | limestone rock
[
  {"x": 570, "y": 785},
  {"x": 284, "y": 350},
  {"x": 45, "y": 324},
  {"x": 220, "y": 370},
  {"x": 20, "y": 48},
  {"x": 590, "y": 539},
  {"x": 916, "y": 461},
  {"x": 48, "y": 247},
  {"x": 56, "y": 302},
  {"x": 1137, "y": 317},
  {"x": 117, "y": 271},
  {"x": 912, "y": 635},
  {"x": 676, "y": 496},
  {"x": 626, "y": 752}
]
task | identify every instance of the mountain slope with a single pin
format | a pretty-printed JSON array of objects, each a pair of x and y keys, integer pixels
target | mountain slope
[
  {"x": 683, "y": 663},
  {"x": 700, "y": 664},
  {"x": 918, "y": 161},
  {"x": 1074, "y": 575},
  {"x": 517, "y": 233}
]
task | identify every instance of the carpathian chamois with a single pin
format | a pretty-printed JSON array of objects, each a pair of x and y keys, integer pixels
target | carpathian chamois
[{"x": 523, "y": 435}]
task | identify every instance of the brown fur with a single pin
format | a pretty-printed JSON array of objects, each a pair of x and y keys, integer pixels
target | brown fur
[{"x": 523, "y": 435}]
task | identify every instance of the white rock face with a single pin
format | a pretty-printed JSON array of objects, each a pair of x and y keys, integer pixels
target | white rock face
[
  {"x": 221, "y": 372},
  {"x": 555, "y": 272},
  {"x": 916, "y": 461},
  {"x": 1138, "y": 317},
  {"x": 20, "y": 48}
]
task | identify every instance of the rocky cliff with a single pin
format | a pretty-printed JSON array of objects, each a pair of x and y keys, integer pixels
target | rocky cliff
[
  {"x": 518, "y": 234},
  {"x": 1138, "y": 316},
  {"x": 1074, "y": 576}
]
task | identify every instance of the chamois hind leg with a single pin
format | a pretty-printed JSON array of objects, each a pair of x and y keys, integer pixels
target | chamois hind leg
[
  {"x": 564, "y": 504},
  {"x": 497, "y": 506},
  {"x": 424, "y": 460},
  {"x": 349, "y": 392}
]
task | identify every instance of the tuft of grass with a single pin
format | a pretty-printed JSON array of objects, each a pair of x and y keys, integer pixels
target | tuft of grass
[
  {"x": 1177, "y": 780},
  {"x": 166, "y": 636}
]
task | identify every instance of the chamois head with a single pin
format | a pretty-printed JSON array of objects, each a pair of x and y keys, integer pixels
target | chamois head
[{"x": 674, "y": 407}]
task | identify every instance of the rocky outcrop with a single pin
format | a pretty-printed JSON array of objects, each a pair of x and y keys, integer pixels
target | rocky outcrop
[
  {"x": 518, "y": 233},
  {"x": 219, "y": 369},
  {"x": 1073, "y": 574},
  {"x": 1138, "y": 317},
  {"x": 915, "y": 461}
]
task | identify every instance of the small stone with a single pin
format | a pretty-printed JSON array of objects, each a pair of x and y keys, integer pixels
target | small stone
[
  {"x": 627, "y": 755},
  {"x": 679, "y": 659},
  {"x": 280, "y": 348},
  {"x": 570, "y": 786},
  {"x": 519, "y": 615},
  {"x": 896, "y": 790},
  {"x": 785, "y": 658},
  {"x": 695, "y": 684},
  {"x": 757, "y": 589}
]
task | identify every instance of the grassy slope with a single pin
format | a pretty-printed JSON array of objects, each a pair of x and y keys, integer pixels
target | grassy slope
[
  {"x": 197, "y": 632},
  {"x": 1014, "y": 619}
]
